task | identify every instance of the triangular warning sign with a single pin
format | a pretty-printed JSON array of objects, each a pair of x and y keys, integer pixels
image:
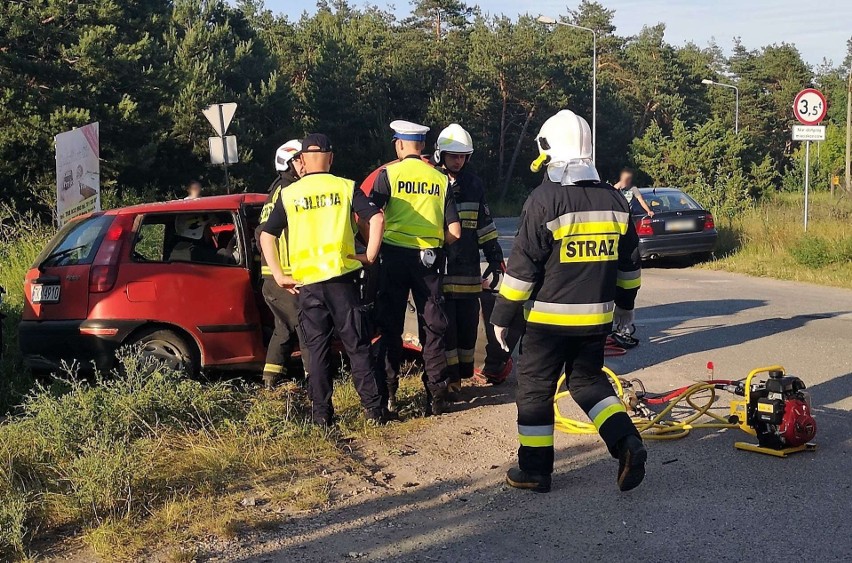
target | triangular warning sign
[{"x": 220, "y": 121}]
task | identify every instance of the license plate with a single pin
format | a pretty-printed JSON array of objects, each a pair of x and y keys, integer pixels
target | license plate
[
  {"x": 45, "y": 293},
  {"x": 680, "y": 226}
]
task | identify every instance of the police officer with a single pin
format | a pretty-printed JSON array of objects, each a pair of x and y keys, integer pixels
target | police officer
[
  {"x": 463, "y": 280},
  {"x": 418, "y": 209},
  {"x": 318, "y": 211},
  {"x": 281, "y": 303},
  {"x": 574, "y": 268}
]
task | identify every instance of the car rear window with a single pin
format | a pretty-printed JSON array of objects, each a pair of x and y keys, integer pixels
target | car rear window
[
  {"x": 76, "y": 243},
  {"x": 666, "y": 201}
]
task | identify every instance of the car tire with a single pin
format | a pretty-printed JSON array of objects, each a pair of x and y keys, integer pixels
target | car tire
[
  {"x": 700, "y": 257},
  {"x": 168, "y": 347}
]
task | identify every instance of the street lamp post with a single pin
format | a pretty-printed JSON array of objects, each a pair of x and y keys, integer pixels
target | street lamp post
[
  {"x": 736, "y": 107},
  {"x": 550, "y": 21}
]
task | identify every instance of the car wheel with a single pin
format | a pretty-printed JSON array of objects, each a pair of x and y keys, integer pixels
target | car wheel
[
  {"x": 169, "y": 348},
  {"x": 702, "y": 257}
]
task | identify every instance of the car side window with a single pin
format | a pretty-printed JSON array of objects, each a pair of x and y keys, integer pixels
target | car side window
[
  {"x": 198, "y": 238},
  {"x": 150, "y": 242}
]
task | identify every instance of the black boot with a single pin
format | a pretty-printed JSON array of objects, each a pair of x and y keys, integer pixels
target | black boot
[
  {"x": 391, "y": 405},
  {"x": 436, "y": 399},
  {"x": 632, "y": 456},
  {"x": 376, "y": 417},
  {"x": 520, "y": 479}
]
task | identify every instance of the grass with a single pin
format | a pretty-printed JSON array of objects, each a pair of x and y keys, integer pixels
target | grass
[
  {"x": 22, "y": 237},
  {"x": 768, "y": 240},
  {"x": 146, "y": 453}
]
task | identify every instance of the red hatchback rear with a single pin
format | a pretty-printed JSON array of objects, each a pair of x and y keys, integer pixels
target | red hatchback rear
[{"x": 178, "y": 278}]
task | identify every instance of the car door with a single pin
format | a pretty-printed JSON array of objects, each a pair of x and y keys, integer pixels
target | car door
[{"x": 200, "y": 290}]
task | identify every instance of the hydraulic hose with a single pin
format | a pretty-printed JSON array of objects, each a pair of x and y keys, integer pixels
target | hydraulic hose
[{"x": 658, "y": 426}]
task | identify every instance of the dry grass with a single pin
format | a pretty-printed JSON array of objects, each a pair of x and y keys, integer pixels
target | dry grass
[{"x": 769, "y": 241}]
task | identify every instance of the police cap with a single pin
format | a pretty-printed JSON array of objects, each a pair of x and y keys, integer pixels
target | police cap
[{"x": 408, "y": 131}]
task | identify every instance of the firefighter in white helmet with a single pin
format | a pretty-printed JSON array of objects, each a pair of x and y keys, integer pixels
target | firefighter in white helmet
[
  {"x": 574, "y": 269},
  {"x": 282, "y": 303},
  {"x": 463, "y": 281}
]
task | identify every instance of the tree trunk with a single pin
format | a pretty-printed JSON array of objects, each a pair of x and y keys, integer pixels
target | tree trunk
[
  {"x": 501, "y": 148},
  {"x": 515, "y": 154}
]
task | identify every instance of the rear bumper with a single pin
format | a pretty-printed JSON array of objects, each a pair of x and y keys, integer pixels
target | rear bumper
[
  {"x": 681, "y": 244},
  {"x": 45, "y": 345}
]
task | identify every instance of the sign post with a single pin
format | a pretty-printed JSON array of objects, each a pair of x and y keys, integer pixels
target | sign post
[
  {"x": 809, "y": 109},
  {"x": 223, "y": 149}
]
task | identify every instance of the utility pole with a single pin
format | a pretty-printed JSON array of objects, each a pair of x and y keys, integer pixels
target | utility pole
[{"x": 849, "y": 130}]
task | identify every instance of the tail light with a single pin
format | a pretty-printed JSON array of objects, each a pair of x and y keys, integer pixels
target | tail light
[
  {"x": 104, "y": 270},
  {"x": 643, "y": 227},
  {"x": 709, "y": 224}
]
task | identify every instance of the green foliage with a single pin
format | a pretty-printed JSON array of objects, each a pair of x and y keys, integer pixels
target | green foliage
[
  {"x": 818, "y": 252},
  {"x": 146, "y": 69}
]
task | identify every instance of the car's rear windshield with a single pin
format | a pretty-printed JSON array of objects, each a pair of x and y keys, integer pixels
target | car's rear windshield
[
  {"x": 668, "y": 200},
  {"x": 76, "y": 243}
]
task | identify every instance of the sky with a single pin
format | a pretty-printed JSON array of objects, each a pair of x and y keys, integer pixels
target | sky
[{"x": 819, "y": 29}]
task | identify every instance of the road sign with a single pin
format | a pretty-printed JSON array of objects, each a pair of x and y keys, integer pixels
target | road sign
[
  {"x": 218, "y": 152},
  {"x": 808, "y": 132},
  {"x": 220, "y": 116},
  {"x": 810, "y": 106},
  {"x": 835, "y": 180}
]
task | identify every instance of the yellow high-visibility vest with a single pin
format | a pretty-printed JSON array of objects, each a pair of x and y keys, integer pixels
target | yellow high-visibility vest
[
  {"x": 321, "y": 227},
  {"x": 280, "y": 243},
  {"x": 414, "y": 215}
]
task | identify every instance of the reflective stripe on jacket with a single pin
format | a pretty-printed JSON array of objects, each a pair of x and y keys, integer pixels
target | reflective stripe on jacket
[{"x": 574, "y": 259}]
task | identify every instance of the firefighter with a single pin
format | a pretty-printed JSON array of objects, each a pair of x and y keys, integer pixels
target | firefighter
[
  {"x": 573, "y": 271},
  {"x": 281, "y": 302},
  {"x": 420, "y": 217},
  {"x": 464, "y": 280},
  {"x": 318, "y": 212}
]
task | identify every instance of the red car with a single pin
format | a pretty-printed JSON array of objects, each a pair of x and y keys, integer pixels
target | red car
[{"x": 180, "y": 278}]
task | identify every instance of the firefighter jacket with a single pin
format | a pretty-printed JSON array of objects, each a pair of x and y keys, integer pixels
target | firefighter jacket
[
  {"x": 464, "y": 276},
  {"x": 281, "y": 182},
  {"x": 575, "y": 257},
  {"x": 318, "y": 211},
  {"x": 416, "y": 203}
]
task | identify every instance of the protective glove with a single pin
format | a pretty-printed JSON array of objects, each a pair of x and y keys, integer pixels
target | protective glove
[
  {"x": 622, "y": 318},
  {"x": 492, "y": 276},
  {"x": 501, "y": 333}
]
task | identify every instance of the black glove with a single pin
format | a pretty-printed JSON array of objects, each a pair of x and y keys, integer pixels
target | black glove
[{"x": 494, "y": 274}]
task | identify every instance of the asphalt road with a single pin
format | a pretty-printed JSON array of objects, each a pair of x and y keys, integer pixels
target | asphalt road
[{"x": 702, "y": 500}]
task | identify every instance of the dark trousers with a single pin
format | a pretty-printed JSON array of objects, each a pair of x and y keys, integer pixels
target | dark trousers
[
  {"x": 287, "y": 332},
  {"x": 460, "y": 338},
  {"x": 402, "y": 272},
  {"x": 325, "y": 308},
  {"x": 544, "y": 357},
  {"x": 495, "y": 356}
]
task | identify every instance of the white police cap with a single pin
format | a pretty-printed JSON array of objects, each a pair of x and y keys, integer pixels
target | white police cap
[{"x": 408, "y": 131}]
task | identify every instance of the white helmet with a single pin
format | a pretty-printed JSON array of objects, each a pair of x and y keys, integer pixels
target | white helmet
[
  {"x": 565, "y": 145},
  {"x": 453, "y": 139},
  {"x": 287, "y": 152},
  {"x": 191, "y": 226}
]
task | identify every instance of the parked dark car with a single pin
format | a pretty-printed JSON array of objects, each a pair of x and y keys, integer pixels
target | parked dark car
[{"x": 680, "y": 225}]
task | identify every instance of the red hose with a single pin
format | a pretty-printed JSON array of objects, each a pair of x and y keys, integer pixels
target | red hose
[{"x": 671, "y": 395}]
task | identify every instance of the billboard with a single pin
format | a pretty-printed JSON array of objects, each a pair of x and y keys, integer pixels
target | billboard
[{"x": 78, "y": 172}]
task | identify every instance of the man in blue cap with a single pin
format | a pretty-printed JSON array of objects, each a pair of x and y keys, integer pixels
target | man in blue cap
[{"x": 420, "y": 218}]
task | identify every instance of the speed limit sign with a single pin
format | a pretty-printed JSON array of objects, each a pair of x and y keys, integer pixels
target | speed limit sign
[{"x": 810, "y": 107}]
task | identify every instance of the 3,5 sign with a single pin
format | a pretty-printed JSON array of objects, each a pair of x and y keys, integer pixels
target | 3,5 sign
[{"x": 809, "y": 106}]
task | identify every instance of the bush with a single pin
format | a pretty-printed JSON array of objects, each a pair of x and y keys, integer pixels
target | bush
[{"x": 817, "y": 252}]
